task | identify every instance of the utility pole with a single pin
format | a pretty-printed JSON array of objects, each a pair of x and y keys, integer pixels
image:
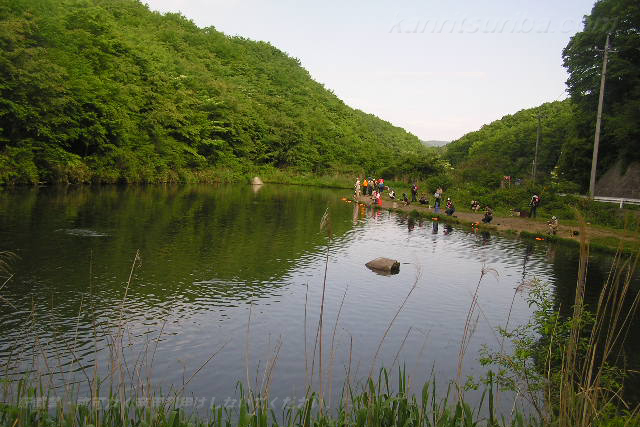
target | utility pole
[
  {"x": 535, "y": 158},
  {"x": 596, "y": 142}
]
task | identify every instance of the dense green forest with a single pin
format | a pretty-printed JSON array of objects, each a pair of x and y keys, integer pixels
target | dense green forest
[
  {"x": 507, "y": 146},
  {"x": 583, "y": 57},
  {"x": 109, "y": 91}
]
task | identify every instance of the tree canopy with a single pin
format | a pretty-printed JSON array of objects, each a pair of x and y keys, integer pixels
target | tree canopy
[
  {"x": 109, "y": 91},
  {"x": 583, "y": 57},
  {"x": 507, "y": 146}
]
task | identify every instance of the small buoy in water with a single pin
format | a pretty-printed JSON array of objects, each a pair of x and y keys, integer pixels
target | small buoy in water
[
  {"x": 435, "y": 219},
  {"x": 539, "y": 238},
  {"x": 344, "y": 198}
]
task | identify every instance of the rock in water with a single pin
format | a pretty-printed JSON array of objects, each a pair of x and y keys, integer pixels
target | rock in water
[
  {"x": 256, "y": 181},
  {"x": 384, "y": 265}
]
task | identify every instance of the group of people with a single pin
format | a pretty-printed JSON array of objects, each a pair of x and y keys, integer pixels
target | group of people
[
  {"x": 371, "y": 187},
  {"x": 368, "y": 186},
  {"x": 376, "y": 187}
]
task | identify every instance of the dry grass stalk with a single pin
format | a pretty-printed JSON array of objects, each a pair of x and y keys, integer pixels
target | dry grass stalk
[
  {"x": 386, "y": 332},
  {"x": 332, "y": 348},
  {"x": 469, "y": 325},
  {"x": 325, "y": 224},
  {"x": 246, "y": 351}
]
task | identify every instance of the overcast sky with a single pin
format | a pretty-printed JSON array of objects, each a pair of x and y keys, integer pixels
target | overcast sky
[{"x": 439, "y": 69}]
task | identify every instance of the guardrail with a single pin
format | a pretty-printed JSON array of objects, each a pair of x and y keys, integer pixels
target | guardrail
[{"x": 619, "y": 200}]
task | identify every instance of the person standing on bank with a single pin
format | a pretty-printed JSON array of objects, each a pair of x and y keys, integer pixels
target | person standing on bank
[
  {"x": 437, "y": 196},
  {"x": 534, "y": 203},
  {"x": 553, "y": 225}
]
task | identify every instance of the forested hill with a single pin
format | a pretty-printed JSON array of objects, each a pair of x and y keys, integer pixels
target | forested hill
[
  {"x": 109, "y": 91},
  {"x": 507, "y": 146}
]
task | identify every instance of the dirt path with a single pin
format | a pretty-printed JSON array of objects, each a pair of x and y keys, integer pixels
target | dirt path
[{"x": 507, "y": 224}]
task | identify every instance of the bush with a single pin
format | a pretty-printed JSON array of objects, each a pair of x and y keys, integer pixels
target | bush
[
  {"x": 438, "y": 181},
  {"x": 17, "y": 166},
  {"x": 482, "y": 177}
]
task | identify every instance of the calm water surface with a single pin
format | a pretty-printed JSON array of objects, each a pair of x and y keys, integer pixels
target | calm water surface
[{"x": 213, "y": 257}]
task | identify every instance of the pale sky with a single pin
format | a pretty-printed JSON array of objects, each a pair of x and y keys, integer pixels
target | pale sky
[{"x": 439, "y": 69}]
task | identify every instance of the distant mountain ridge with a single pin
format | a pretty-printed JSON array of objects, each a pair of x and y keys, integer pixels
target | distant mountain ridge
[{"x": 434, "y": 143}]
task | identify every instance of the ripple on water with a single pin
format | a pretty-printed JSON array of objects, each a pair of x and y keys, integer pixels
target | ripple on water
[
  {"x": 82, "y": 232},
  {"x": 206, "y": 263}
]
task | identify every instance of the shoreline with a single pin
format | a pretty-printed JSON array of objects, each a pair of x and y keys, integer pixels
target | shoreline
[{"x": 608, "y": 239}]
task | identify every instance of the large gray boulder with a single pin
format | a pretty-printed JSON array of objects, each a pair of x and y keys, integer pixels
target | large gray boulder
[{"x": 384, "y": 265}]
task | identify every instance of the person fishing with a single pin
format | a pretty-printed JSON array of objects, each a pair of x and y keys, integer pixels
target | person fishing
[
  {"x": 534, "y": 203},
  {"x": 553, "y": 225},
  {"x": 488, "y": 215},
  {"x": 436, "y": 196},
  {"x": 414, "y": 192},
  {"x": 392, "y": 194},
  {"x": 365, "y": 184},
  {"x": 356, "y": 187},
  {"x": 381, "y": 185},
  {"x": 450, "y": 208},
  {"x": 405, "y": 199},
  {"x": 423, "y": 200}
]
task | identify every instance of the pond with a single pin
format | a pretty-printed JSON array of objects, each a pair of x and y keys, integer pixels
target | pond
[{"x": 229, "y": 282}]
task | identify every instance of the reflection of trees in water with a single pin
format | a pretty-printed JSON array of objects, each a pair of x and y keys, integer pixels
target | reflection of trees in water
[
  {"x": 179, "y": 229},
  {"x": 200, "y": 245},
  {"x": 565, "y": 268},
  {"x": 528, "y": 250}
]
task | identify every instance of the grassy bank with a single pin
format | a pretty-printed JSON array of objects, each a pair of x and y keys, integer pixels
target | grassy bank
[
  {"x": 603, "y": 238},
  {"x": 380, "y": 404}
]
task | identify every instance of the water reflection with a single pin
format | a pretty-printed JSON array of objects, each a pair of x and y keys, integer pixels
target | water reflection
[{"x": 208, "y": 253}]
